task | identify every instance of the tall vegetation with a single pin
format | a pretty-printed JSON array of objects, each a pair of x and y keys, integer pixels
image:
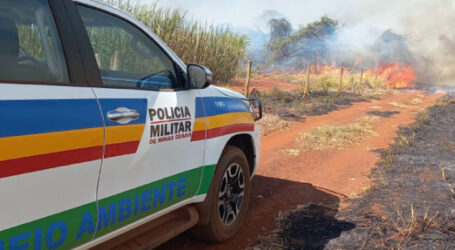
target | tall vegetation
[
  {"x": 307, "y": 45},
  {"x": 216, "y": 47}
]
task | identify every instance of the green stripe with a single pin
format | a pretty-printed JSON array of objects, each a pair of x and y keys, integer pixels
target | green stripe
[
  {"x": 207, "y": 176},
  {"x": 76, "y": 226}
]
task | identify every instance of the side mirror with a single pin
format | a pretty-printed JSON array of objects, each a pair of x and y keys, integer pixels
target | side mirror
[{"x": 199, "y": 76}]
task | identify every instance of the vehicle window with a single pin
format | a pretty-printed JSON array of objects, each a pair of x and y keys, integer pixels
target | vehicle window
[
  {"x": 30, "y": 47},
  {"x": 125, "y": 55}
]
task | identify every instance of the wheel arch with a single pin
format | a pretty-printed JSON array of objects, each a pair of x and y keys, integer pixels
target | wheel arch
[{"x": 246, "y": 144}]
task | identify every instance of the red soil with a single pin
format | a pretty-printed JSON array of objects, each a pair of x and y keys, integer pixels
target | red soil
[{"x": 283, "y": 182}]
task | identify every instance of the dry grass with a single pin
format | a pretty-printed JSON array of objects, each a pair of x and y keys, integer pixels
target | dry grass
[
  {"x": 404, "y": 228},
  {"x": 272, "y": 241},
  {"x": 379, "y": 183},
  {"x": 443, "y": 172},
  {"x": 405, "y": 138},
  {"x": 279, "y": 95},
  {"x": 388, "y": 160},
  {"x": 337, "y": 137},
  {"x": 444, "y": 101},
  {"x": 398, "y": 105},
  {"x": 416, "y": 101},
  {"x": 282, "y": 108},
  {"x": 327, "y": 79},
  {"x": 273, "y": 122},
  {"x": 444, "y": 178},
  {"x": 293, "y": 152},
  {"x": 403, "y": 141},
  {"x": 421, "y": 120}
]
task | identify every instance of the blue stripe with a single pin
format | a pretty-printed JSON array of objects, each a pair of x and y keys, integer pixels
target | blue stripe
[
  {"x": 25, "y": 117},
  {"x": 218, "y": 106},
  {"x": 140, "y": 105}
]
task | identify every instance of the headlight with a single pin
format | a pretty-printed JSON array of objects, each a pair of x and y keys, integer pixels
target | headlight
[{"x": 254, "y": 105}]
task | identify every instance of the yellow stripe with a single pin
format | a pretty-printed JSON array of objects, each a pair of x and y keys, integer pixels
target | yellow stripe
[
  {"x": 37, "y": 144},
  {"x": 199, "y": 124},
  {"x": 118, "y": 134},
  {"x": 217, "y": 121}
]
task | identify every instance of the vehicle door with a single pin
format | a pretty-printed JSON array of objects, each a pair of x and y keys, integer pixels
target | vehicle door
[
  {"x": 51, "y": 130},
  {"x": 150, "y": 162}
]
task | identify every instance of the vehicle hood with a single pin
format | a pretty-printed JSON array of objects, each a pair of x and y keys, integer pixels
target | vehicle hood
[{"x": 228, "y": 92}]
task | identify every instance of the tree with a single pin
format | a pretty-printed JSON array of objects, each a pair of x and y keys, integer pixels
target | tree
[{"x": 308, "y": 43}]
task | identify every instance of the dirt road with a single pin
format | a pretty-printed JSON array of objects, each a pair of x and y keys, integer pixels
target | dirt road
[{"x": 284, "y": 181}]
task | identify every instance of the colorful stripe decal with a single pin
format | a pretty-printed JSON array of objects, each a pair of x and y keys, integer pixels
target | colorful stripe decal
[
  {"x": 25, "y": 117},
  {"x": 118, "y": 149},
  {"x": 47, "y": 161},
  {"x": 228, "y": 119},
  {"x": 209, "y": 106},
  {"x": 22, "y": 152},
  {"x": 77, "y": 226},
  {"x": 225, "y": 115},
  {"x": 225, "y": 130},
  {"x": 31, "y": 145}
]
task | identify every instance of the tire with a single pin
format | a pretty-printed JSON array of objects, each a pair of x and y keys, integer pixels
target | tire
[{"x": 219, "y": 227}]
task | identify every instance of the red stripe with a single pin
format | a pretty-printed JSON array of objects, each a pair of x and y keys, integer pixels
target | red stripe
[
  {"x": 53, "y": 160},
  {"x": 198, "y": 135},
  {"x": 215, "y": 132},
  {"x": 123, "y": 148},
  {"x": 47, "y": 161}
]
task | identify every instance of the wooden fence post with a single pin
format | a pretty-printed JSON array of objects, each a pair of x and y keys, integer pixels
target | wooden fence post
[
  {"x": 307, "y": 83},
  {"x": 361, "y": 82},
  {"x": 376, "y": 80},
  {"x": 341, "y": 82},
  {"x": 247, "y": 81}
]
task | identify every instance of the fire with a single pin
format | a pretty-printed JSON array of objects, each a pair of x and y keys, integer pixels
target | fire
[
  {"x": 357, "y": 61},
  {"x": 394, "y": 75},
  {"x": 398, "y": 75}
]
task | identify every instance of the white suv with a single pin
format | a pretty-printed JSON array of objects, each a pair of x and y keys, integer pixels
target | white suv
[{"x": 104, "y": 129}]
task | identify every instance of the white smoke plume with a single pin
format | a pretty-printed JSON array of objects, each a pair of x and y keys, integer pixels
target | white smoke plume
[{"x": 417, "y": 32}]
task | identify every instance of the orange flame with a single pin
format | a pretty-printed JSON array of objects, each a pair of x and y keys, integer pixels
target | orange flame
[
  {"x": 398, "y": 75},
  {"x": 395, "y": 75},
  {"x": 357, "y": 61}
]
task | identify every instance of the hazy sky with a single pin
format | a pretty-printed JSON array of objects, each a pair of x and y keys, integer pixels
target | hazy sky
[{"x": 247, "y": 13}]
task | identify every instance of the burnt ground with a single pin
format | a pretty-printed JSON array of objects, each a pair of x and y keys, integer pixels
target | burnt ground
[{"x": 410, "y": 205}]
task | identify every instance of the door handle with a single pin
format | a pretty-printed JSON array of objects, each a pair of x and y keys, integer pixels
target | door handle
[{"x": 122, "y": 115}]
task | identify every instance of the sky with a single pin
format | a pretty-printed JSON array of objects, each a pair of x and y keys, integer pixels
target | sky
[
  {"x": 248, "y": 13},
  {"x": 412, "y": 18}
]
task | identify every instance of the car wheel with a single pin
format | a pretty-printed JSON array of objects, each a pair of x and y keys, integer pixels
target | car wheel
[{"x": 228, "y": 197}]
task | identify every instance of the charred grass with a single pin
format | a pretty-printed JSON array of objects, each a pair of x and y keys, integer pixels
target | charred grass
[{"x": 413, "y": 189}]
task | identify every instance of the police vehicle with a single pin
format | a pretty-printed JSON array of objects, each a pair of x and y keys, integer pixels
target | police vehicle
[{"x": 104, "y": 130}]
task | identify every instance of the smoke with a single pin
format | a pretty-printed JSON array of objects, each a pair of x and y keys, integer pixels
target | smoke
[{"x": 419, "y": 33}]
